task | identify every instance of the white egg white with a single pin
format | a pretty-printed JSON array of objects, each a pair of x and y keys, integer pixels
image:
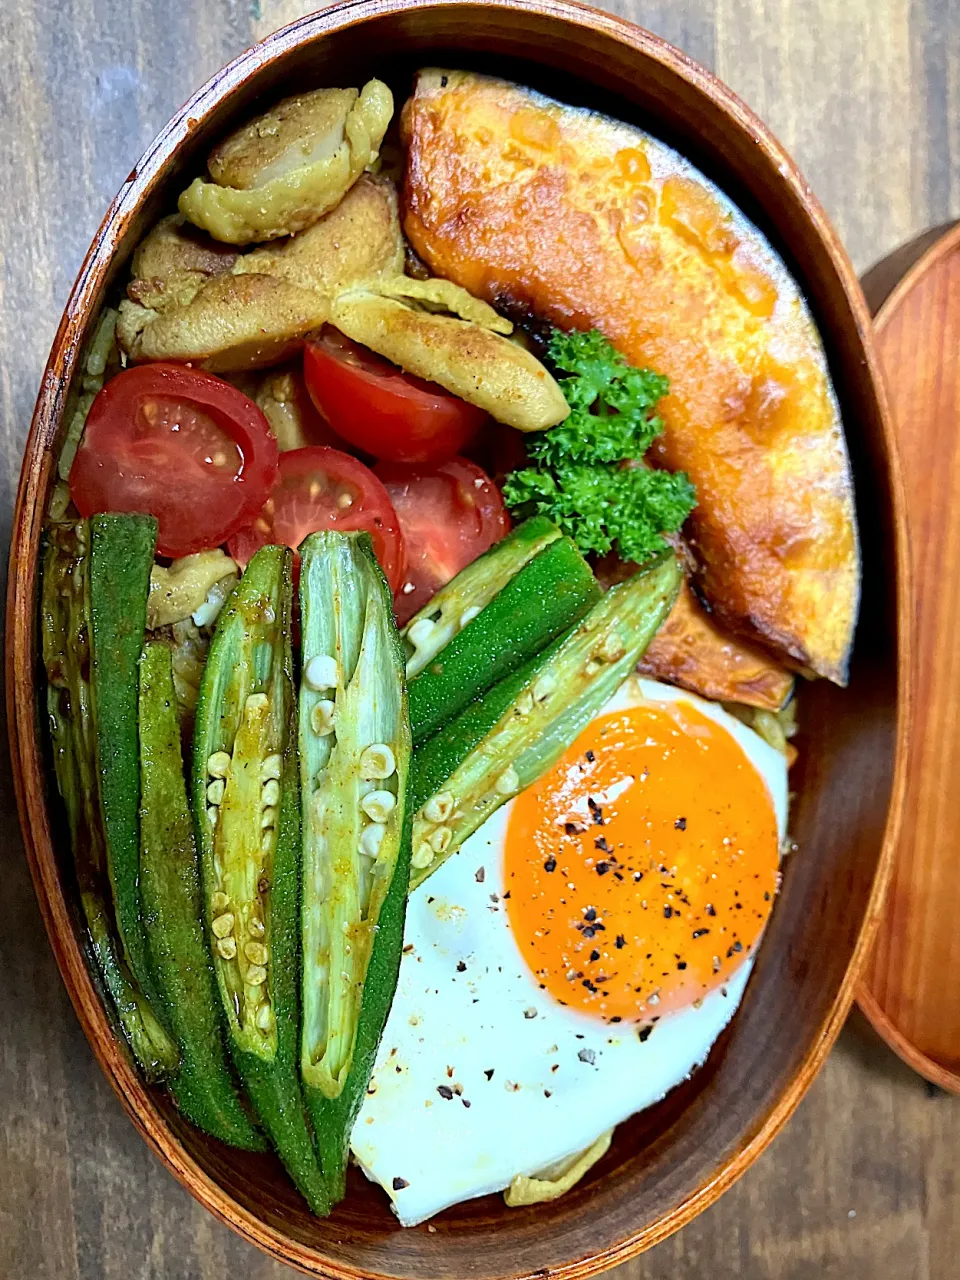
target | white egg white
[{"x": 481, "y": 1075}]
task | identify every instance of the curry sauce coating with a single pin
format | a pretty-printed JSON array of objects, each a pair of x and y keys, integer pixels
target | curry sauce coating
[
  {"x": 280, "y": 172},
  {"x": 358, "y": 240},
  {"x": 226, "y": 312},
  {"x": 587, "y": 223},
  {"x": 233, "y": 323},
  {"x": 480, "y": 366}
]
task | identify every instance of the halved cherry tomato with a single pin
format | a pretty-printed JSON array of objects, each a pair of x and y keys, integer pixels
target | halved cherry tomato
[
  {"x": 382, "y": 410},
  {"x": 322, "y": 488},
  {"x": 180, "y": 444},
  {"x": 449, "y": 515}
]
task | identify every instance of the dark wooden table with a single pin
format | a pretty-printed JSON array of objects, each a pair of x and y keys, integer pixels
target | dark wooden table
[{"x": 865, "y": 1181}]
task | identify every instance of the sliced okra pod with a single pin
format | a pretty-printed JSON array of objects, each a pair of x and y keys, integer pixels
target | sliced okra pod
[
  {"x": 505, "y": 741},
  {"x": 464, "y": 596},
  {"x": 170, "y": 893},
  {"x": 544, "y": 598},
  {"x": 246, "y": 813},
  {"x": 66, "y": 657},
  {"x": 354, "y": 760}
]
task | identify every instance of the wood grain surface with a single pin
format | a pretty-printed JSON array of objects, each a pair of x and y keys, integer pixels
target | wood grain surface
[
  {"x": 920, "y": 941},
  {"x": 863, "y": 1183}
]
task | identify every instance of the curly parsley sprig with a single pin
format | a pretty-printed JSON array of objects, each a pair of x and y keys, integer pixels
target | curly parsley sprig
[{"x": 586, "y": 474}]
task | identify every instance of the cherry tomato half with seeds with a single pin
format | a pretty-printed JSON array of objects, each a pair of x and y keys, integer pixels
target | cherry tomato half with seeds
[
  {"x": 179, "y": 444},
  {"x": 382, "y": 410},
  {"x": 449, "y": 515},
  {"x": 322, "y": 488}
]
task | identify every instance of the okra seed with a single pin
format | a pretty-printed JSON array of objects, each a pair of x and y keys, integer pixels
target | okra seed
[
  {"x": 256, "y": 975},
  {"x": 543, "y": 688},
  {"x": 321, "y": 717},
  {"x": 271, "y": 767},
  {"x": 321, "y": 672},
  {"x": 439, "y": 807},
  {"x": 439, "y": 840},
  {"x": 378, "y": 805},
  {"x": 422, "y": 856},
  {"x": 371, "y": 839},
  {"x": 219, "y": 902},
  {"x": 218, "y": 766},
  {"x": 256, "y": 702},
  {"x": 215, "y": 791},
  {"x": 212, "y": 814},
  {"x": 270, "y": 795},
  {"x": 268, "y": 819},
  {"x": 227, "y": 948},
  {"x": 255, "y": 927},
  {"x": 612, "y": 648},
  {"x": 223, "y": 925},
  {"x": 592, "y": 667},
  {"x": 377, "y": 761},
  {"x": 265, "y": 1018},
  {"x": 255, "y": 952},
  {"x": 508, "y": 781},
  {"x": 525, "y": 703},
  {"x": 468, "y": 615},
  {"x": 266, "y": 840},
  {"x": 421, "y": 632}
]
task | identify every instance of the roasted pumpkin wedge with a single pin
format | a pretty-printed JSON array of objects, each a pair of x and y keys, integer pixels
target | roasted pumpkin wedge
[{"x": 510, "y": 194}]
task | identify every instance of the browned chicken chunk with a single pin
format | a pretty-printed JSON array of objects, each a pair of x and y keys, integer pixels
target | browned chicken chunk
[
  {"x": 284, "y": 170},
  {"x": 258, "y": 308}
]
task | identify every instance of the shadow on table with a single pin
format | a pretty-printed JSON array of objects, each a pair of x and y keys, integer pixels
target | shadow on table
[{"x": 859, "y": 1043}]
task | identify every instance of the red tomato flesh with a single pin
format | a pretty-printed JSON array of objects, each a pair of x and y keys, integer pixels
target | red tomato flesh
[
  {"x": 321, "y": 488},
  {"x": 449, "y": 515},
  {"x": 179, "y": 444},
  {"x": 381, "y": 410}
]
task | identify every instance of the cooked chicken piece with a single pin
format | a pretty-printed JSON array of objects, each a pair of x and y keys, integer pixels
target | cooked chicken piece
[
  {"x": 181, "y": 589},
  {"x": 233, "y": 323},
  {"x": 281, "y": 172},
  {"x": 589, "y": 223},
  {"x": 691, "y": 651},
  {"x": 173, "y": 261},
  {"x": 481, "y": 366},
  {"x": 444, "y": 295},
  {"x": 286, "y": 405},
  {"x": 358, "y": 240},
  {"x": 254, "y": 316}
]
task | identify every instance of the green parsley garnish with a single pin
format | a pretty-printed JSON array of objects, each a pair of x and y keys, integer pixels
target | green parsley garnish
[{"x": 586, "y": 474}]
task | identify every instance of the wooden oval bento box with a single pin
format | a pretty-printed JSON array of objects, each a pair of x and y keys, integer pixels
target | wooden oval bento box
[{"x": 673, "y": 1160}]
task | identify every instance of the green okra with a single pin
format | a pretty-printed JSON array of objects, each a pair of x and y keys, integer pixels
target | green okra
[
  {"x": 436, "y": 759},
  {"x": 153, "y": 1048},
  {"x": 335, "y": 1117},
  {"x": 170, "y": 894},
  {"x": 550, "y": 701},
  {"x": 471, "y": 590},
  {"x": 65, "y": 636},
  {"x": 121, "y": 558},
  {"x": 246, "y": 813},
  {"x": 550, "y": 593},
  {"x": 354, "y": 760}
]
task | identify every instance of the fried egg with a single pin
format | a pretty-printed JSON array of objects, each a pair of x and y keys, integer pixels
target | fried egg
[{"x": 579, "y": 955}]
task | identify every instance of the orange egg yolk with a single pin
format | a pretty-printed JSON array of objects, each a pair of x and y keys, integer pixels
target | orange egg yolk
[{"x": 642, "y": 868}]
